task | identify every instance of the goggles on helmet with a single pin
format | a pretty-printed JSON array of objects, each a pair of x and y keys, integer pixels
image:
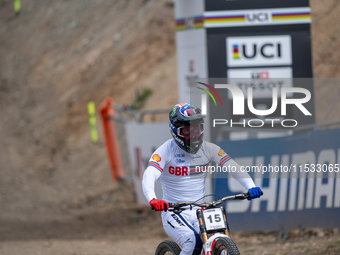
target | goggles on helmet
[{"x": 194, "y": 130}]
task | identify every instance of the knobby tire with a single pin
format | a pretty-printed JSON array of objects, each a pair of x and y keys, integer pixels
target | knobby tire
[
  {"x": 225, "y": 243},
  {"x": 168, "y": 247}
]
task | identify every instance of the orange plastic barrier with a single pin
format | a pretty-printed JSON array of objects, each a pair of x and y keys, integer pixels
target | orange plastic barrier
[{"x": 112, "y": 145}]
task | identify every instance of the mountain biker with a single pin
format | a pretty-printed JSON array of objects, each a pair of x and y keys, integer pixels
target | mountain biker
[{"x": 176, "y": 162}]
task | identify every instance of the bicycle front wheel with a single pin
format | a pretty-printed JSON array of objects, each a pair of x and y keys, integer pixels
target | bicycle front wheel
[
  {"x": 225, "y": 246},
  {"x": 168, "y": 247}
]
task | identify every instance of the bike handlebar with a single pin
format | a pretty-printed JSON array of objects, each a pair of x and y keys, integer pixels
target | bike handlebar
[
  {"x": 211, "y": 204},
  {"x": 214, "y": 203}
]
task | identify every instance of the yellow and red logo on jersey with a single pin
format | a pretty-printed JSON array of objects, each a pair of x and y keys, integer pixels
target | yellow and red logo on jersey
[
  {"x": 156, "y": 158},
  {"x": 221, "y": 153}
]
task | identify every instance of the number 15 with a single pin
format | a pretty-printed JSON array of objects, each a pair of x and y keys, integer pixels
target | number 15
[{"x": 217, "y": 218}]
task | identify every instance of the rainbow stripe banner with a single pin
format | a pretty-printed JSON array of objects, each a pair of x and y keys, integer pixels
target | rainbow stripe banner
[
  {"x": 225, "y": 18},
  {"x": 190, "y": 23},
  {"x": 256, "y": 17},
  {"x": 199, "y": 21},
  {"x": 284, "y": 16},
  {"x": 180, "y": 24}
]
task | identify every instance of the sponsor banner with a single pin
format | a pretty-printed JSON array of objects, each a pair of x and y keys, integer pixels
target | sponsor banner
[
  {"x": 257, "y": 17},
  {"x": 299, "y": 177},
  {"x": 259, "y": 50},
  {"x": 261, "y": 80}
]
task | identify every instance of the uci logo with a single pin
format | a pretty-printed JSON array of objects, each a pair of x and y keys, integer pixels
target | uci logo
[
  {"x": 267, "y": 50},
  {"x": 257, "y": 17},
  {"x": 259, "y": 51}
]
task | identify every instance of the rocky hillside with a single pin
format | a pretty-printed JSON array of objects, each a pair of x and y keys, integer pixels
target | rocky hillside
[{"x": 57, "y": 55}]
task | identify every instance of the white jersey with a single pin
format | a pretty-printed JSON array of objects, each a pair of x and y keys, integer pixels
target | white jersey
[{"x": 183, "y": 174}]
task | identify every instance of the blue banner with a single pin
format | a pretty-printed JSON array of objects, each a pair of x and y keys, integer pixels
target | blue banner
[{"x": 298, "y": 174}]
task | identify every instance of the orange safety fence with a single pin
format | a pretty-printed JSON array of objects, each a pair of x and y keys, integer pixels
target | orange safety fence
[{"x": 112, "y": 145}]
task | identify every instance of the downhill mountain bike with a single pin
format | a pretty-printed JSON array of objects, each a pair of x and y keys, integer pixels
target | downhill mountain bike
[{"x": 214, "y": 228}]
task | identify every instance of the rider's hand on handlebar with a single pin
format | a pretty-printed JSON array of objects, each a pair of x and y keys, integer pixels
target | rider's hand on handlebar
[
  {"x": 159, "y": 205},
  {"x": 254, "y": 193}
]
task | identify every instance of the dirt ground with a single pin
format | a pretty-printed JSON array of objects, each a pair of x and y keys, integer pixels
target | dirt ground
[
  {"x": 56, "y": 191},
  {"x": 102, "y": 225}
]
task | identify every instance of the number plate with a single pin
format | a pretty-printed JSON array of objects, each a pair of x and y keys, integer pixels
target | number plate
[{"x": 213, "y": 219}]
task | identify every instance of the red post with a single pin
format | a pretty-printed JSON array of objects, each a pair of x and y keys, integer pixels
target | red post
[{"x": 112, "y": 145}]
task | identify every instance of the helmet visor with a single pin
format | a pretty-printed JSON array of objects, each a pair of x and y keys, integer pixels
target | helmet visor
[{"x": 194, "y": 130}]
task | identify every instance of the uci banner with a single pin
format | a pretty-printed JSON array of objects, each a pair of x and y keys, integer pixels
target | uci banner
[
  {"x": 259, "y": 44},
  {"x": 298, "y": 174}
]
